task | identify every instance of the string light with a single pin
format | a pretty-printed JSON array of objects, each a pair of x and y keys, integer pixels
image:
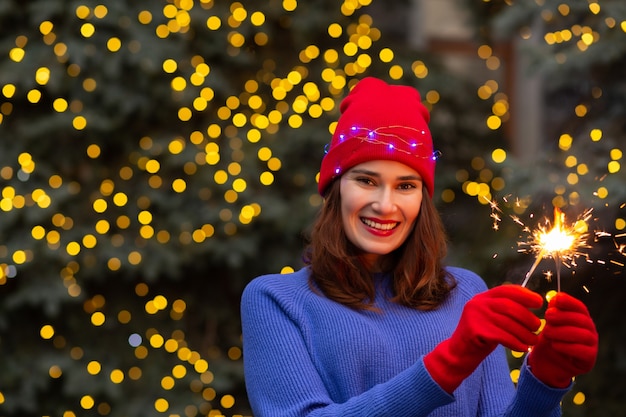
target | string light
[{"x": 388, "y": 137}]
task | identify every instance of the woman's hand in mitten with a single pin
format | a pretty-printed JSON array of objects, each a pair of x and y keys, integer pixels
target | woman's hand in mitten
[
  {"x": 498, "y": 316},
  {"x": 568, "y": 344}
]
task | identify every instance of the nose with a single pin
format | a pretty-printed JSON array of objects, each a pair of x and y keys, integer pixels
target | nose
[{"x": 384, "y": 202}]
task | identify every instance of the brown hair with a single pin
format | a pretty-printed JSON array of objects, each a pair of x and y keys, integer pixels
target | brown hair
[{"x": 419, "y": 278}]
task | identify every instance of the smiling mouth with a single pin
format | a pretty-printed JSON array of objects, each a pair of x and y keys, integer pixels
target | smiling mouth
[{"x": 379, "y": 226}]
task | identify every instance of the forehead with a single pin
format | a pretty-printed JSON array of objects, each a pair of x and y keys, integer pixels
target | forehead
[{"x": 385, "y": 167}]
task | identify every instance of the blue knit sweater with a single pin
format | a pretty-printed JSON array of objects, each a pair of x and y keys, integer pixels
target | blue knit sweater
[{"x": 305, "y": 355}]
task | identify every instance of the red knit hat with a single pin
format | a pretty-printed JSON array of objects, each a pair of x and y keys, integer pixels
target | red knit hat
[{"x": 380, "y": 121}]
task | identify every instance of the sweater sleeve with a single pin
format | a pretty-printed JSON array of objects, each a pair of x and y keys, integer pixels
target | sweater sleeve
[
  {"x": 531, "y": 398},
  {"x": 282, "y": 379},
  {"x": 534, "y": 398}
]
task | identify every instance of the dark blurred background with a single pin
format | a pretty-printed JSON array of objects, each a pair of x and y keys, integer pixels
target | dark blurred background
[{"x": 155, "y": 156}]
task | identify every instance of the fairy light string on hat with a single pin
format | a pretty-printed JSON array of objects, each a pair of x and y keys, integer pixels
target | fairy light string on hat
[{"x": 384, "y": 136}]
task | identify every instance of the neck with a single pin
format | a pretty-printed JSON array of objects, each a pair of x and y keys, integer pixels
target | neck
[{"x": 375, "y": 263}]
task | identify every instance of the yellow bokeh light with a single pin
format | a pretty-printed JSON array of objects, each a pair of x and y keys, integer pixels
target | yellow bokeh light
[
  {"x": 484, "y": 51},
  {"x": 42, "y": 76},
  {"x": 120, "y": 199},
  {"x": 144, "y": 217},
  {"x": 213, "y": 23},
  {"x": 17, "y": 54},
  {"x": 38, "y": 232},
  {"x": 167, "y": 383},
  {"x": 114, "y": 44},
  {"x": 46, "y": 27},
  {"x": 98, "y": 318},
  {"x": 179, "y": 185},
  {"x": 156, "y": 341},
  {"x": 571, "y": 161},
  {"x": 87, "y": 402},
  {"x": 34, "y": 96},
  {"x": 498, "y": 155},
  {"x": 19, "y": 257},
  {"x": 595, "y": 135},
  {"x": 396, "y": 72},
  {"x": 79, "y": 122},
  {"x": 494, "y": 122},
  {"x": 170, "y": 66},
  {"x": 87, "y": 30},
  {"x": 160, "y": 302},
  {"x": 102, "y": 226},
  {"x": 55, "y": 372},
  {"x": 266, "y": 178},
  {"x": 72, "y": 248},
  {"x": 8, "y": 90},
  {"x": 565, "y": 142},
  {"x": 616, "y": 154},
  {"x": 257, "y": 18},
  {"x": 114, "y": 264},
  {"x": 580, "y": 110},
  {"x": 290, "y": 5},
  {"x": 239, "y": 185},
  {"x": 134, "y": 258},
  {"x": 179, "y": 371},
  {"x": 94, "y": 367},
  {"x": 201, "y": 366},
  {"x": 100, "y": 205},
  {"x": 116, "y": 376},
  {"x": 613, "y": 167},
  {"x": 161, "y": 405},
  {"x": 579, "y": 398},
  {"x": 46, "y": 332},
  {"x": 227, "y": 401}
]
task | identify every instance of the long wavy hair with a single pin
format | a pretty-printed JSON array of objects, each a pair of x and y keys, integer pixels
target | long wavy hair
[{"x": 419, "y": 278}]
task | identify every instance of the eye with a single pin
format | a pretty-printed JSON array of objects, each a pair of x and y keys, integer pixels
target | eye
[
  {"x": 407, "y": 186},
  {"x": 365, "y": 180}
]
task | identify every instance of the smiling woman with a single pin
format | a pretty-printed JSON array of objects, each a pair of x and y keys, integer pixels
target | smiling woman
[{"x": 376, "y": 324}]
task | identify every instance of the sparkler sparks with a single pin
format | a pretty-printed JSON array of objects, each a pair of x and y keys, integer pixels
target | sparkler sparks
[
  {"x": 565, "y": 242},
  {"x": 560, "y": 241}
]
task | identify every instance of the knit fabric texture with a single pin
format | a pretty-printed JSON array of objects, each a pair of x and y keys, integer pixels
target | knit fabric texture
[
  {"x": 380, "y": 121},
  {"x": 306, "y": 355}
]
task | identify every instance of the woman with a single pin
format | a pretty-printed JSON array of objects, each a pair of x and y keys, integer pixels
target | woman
[{"x": 375, "y": 325}]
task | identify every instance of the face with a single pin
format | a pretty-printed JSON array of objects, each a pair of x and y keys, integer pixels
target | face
[{"x": 380, "y": 201}]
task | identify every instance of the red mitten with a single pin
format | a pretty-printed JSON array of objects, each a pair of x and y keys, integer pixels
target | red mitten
[
  {"x": 568, "y": 344},
  {"x": 497, "y": 316}
]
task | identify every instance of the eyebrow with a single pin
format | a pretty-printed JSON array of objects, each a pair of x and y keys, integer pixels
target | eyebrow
[{"x": 376, "y": 174}]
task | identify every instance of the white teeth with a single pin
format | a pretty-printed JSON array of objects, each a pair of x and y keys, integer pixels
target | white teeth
[{"x": 375, "y": 225}]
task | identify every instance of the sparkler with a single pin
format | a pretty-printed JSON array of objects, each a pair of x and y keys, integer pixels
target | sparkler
[{"x": 560, "y": 241}]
